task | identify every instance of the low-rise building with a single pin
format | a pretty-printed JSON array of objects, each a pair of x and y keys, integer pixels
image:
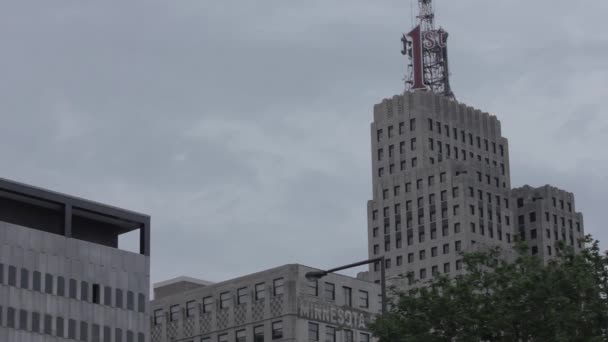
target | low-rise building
[
  {"x": 62, "y": 274},
  {"x": 278, "y": 304}
]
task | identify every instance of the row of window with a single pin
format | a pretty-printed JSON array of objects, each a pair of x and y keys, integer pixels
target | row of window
[
  {"x": 422, "y": 273},
  {"x": 223, "y": 302},
  {"x": 433, "y": 234},
  {"x": 520, "y": 203},
  {"x": 534, "y": 250},
  {"x": 532, "y": 219},
  {"x": 440, "y": 157},
  {"x": 241, "y": 335},
  {"x": 40, "y": 323},
  {"x": 331, "y": 334},
  {"x": 533, "y": 236},
  {"x": 422, "y": 254},
  {"x": 437, "y": 127},
  {"x": 71, "y": 288},
  {"x": 391, "y": 130},
  {"x": 329, "y": 293}
]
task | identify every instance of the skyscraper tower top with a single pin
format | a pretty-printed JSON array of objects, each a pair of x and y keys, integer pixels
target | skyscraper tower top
[{"x": 426, "y": 49}]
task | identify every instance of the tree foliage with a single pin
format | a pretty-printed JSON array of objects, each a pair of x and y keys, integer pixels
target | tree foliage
[{"x": 498, "y": 300}]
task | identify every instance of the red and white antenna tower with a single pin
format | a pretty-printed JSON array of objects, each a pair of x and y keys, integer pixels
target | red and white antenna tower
[{"x": 426, "y": 48}]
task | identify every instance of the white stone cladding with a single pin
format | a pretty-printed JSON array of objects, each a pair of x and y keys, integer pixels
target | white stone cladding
[
  {"x": 50, "y": 254},
  {"x": 441, "y": 186},
  {"x": 547, "y": 215},
  {"x": 422, "y": 201}
]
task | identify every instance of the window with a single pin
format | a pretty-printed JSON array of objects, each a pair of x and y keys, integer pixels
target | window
[
  {"x": 222, "y": 338},
  {"x": 414, "y": 162},
  {"x": 433, "y": 251},
  {"x": 458, "y": 246},
  {"x": 277, "y": 330},
  {"x": 12, "y": 276},
  {"x": 278, "y": 286},
  {"x": 422, "y": 273},
  {"x": 446, "y": 248},
  {"x": 119, "y": 298},
  {"x": 380, "y": 154},
  {"x": 412, "y": 124},
  {"x": 95, "y": 332},
  {"x": 330, "y": 334},
  {"x": 48, "y": 283},
  {"x": 84, "y": 291},
  {"x": 444, "y": 196},
  {"x": 59, "y": 327},
  {"x": 446, "y": 267},
  {"x": 241, "y": 336},
  {"x": 158, "y": 316},
  {"x": 348, "y": 296},
  {"x": 385, "y": 194},
  {"x": 190, "y": 308},
  {"x": 458, "y": 264},
  {"x": 330, "y": 291},
  {"x": 410, "y": 258},
  {"x": 130, "y": 300},
  {"x": 422, "y": 255},
  {"x": 207, "y": 304},
  {"x": 363, "y": 299},
  {"x": 381, "y": 172},
  {"x": 348, "y": 336},
  {"x": 456, "y": 227},
  {"x": 379, "y": 135},
  {"x": 96, "y": 294},
  {"x": 84, "y": 331},
  {"x": 174, "y": 313},
  {"x": 390, "y": 131},
  {"x": 22, "y": 319},
  {"x": 313, "y": 331},
  {"x": 60, "y": 286},
  {"x": 241, "y": 295},
  {"x": 413, "y": 144},
  {"x": 25, "y": 278},
  {"x": 37, "y": 280},
  {"x": 35, "y": 322},
  {"x": 258, "y": 333},
  {"x": 224, "y": 300},
  {"x": 72, "y": 329},
  {"x": 363, "y": 337},
  {"x": 533, "y": 217}
]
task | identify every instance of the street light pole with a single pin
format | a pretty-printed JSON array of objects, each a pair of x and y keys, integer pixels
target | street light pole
[{"x": 315, "y": 275}]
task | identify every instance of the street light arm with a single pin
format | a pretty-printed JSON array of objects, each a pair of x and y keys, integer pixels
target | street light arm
[{"x": 316, "y": 275}]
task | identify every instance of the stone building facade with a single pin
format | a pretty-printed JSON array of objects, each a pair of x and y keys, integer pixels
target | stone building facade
[
  {"x": 62, "y": 277},
  {"x": 441, "y": 185},
  {"x": 547, "y": 215},
  {"x": 278, "y": 304}
]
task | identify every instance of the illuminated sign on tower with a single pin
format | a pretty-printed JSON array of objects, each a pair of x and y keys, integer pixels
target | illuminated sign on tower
[{"x": 427, "y": 51}]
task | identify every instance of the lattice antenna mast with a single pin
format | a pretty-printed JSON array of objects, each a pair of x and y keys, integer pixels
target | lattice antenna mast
[
  {"x": 426, "y": 15},
  {"x": 426, "y": 48}
]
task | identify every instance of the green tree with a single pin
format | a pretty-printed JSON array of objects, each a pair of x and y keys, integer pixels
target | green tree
[{"x": 499, "y": 300}]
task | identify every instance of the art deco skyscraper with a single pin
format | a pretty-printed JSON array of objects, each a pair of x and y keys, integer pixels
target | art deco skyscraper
[{"x": 441, "y": 184}]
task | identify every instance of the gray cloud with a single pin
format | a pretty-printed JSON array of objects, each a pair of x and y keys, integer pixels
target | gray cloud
[{"x": 243, "y": 128}]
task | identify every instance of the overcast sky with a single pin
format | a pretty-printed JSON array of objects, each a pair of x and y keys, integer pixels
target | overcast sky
[{"x": 242, "y": 127}]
